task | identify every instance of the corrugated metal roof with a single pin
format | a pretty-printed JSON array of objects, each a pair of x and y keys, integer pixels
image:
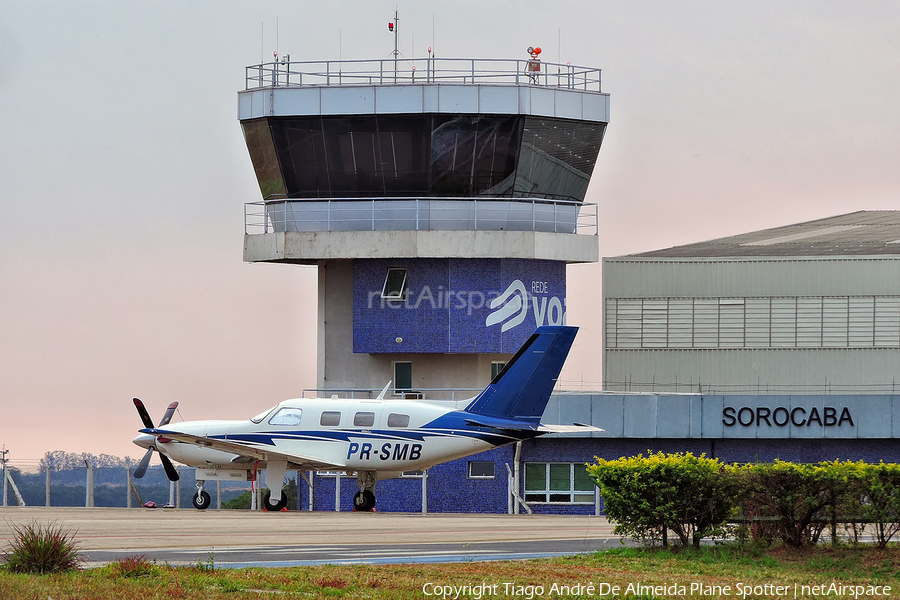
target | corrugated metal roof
[{"x": 862, "y": 233}]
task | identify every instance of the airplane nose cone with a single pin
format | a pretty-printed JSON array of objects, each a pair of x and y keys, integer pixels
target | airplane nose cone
[{"x": 144, "y": 440}]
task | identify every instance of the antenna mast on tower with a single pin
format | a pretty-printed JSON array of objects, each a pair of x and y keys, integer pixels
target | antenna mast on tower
[{"x": 394, "y": 27}]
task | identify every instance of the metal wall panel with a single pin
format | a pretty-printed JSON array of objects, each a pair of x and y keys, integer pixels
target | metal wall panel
[
  {"x": 675, "y": 421},
  {"x": 629, "y": 277},
  {"x": 608, "y": 413},
  {"x": 800, "y": 370},
  {"x": 641, "y": 416}
]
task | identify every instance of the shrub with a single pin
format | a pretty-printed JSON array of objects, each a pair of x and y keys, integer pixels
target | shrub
[
  {"x": 879, "y": 499},
  {"x": 645, "y": 497},
  {"x": 41, "y": 549},
  {"x": 795, "y": 502}
]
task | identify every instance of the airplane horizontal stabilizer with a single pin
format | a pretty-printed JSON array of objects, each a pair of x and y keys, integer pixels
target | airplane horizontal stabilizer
[
  {"x": 505, "y": 424},
  {"x": 577, "y": 428},
  {"x": 244, "y": 449}
]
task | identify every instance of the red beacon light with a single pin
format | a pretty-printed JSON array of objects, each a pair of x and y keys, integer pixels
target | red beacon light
[
  {"x": 534, "y": 65},
  {"x": 390, "y": 27}
]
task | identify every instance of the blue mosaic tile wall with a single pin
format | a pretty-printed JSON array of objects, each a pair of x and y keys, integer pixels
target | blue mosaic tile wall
[
  {"x": 450, "y": 490},
  {"x": 448, "y": 304}
]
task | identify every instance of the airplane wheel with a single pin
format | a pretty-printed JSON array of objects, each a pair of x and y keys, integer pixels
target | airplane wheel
[
  {"x": 274, "y": 507},
  {"x": 201, "y": 500},
  {"x": 364, "y": 501}
]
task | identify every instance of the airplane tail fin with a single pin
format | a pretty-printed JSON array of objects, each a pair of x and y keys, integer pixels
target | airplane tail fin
[{"x": 521, "y": 390}]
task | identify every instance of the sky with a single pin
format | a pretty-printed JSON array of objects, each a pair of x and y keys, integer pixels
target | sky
[{"x": 123, "y": 174}]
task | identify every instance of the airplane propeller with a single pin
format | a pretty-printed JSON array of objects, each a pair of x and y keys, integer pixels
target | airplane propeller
[{"x": 171, "y": 471}]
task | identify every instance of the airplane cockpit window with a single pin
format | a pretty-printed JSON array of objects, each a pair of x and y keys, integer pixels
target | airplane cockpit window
[
  {"x": 330, "y": 418},
  {"x": 258, "y": 418},
  {"x": 364, "y": 419},
  {"x": 286, "y": 416},
  {"x": 398, "y": 420}
]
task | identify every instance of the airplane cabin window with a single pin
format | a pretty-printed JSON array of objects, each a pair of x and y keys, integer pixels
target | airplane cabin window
[
  {"x": 330, "y": 418},
  {"x": 398, "y": 420},
  {"x": 364, "y": 419},
  {"x": 286, "y": 416}
]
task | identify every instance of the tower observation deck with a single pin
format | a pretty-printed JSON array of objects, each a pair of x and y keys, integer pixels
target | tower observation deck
[{"x": 441, "y": 199}]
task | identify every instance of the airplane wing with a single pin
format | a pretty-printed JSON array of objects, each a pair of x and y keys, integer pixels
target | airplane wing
[{"x": 254, "y": 451}]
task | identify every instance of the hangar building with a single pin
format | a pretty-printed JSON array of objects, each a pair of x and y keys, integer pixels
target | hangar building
[{"x": 807, "y": 308}]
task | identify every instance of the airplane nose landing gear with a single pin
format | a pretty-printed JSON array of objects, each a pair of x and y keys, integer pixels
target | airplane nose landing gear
[
  {"x": 364, "y": 500},
  {"x": 201, "y": 499}
]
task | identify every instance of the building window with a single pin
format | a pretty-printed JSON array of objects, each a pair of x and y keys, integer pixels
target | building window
[
  {"x": 558, "y": 482},
  {"x": 402, "y": 376},
  {"x": 496, "y": 367},
  {"x": 394, "y": 284},
  {"x": 481, "y": 469}
]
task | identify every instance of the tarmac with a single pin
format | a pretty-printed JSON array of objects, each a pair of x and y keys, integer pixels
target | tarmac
[{"x": 258, "y": 538}]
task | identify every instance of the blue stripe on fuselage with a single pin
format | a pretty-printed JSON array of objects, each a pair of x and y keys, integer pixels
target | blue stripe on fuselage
[{"x": 449, "y": 425}]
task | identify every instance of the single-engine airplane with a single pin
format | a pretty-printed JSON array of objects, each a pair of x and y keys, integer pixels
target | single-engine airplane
[{"x": 375, "y": 439}]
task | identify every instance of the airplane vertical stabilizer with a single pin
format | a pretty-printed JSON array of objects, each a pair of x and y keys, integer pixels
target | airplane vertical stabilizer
[{"x": 522, "y": 389}]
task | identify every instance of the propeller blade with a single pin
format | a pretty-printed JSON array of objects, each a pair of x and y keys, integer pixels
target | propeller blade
[
  {"x": 142, "y": 466},
  {"x": 171, "y": 471},
  {"x": 145, "y": 416},
  {"x": 168, "y": 416}
]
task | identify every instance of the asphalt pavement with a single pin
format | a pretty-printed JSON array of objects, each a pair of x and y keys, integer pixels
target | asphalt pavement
[{"x": 245, "y": 538}]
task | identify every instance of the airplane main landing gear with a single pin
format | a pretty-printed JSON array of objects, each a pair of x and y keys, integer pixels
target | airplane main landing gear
[
  {"x": 364, "y": 500},
  {"x": 201, "y": 499},
  {"x": 276, "y": 506}
]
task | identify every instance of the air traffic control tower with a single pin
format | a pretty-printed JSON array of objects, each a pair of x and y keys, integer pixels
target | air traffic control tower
[{"x": 441, "y": 199}]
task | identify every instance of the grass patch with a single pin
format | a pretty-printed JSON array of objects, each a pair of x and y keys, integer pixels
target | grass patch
[
  {"x": 132, "y": 567},
  {"x": 721, "y": 566}
]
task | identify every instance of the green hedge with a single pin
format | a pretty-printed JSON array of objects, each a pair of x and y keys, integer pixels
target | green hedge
[
  {"x": 690, "y": 495},
  {"x": 695, "y": 497}
]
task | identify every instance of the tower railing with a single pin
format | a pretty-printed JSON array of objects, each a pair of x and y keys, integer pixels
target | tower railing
[
  {"x": 421, "y": 214},
  {"x": 429, "y": 70}
]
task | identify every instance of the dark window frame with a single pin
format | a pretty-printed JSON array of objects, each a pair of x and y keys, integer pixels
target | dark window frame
[{"x": 483, "y": 463}]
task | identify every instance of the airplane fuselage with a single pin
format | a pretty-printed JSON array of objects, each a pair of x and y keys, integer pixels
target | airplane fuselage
[{"x": 389, "y": 436}]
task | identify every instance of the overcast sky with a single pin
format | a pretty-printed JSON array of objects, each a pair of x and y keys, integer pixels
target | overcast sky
[{"x": 123, "y": 174}]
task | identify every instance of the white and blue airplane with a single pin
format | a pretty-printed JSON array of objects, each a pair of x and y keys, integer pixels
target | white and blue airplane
[{"x": 374, "y": 439}]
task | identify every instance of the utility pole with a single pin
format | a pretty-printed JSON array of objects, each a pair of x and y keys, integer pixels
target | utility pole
[
  {"x": 8, "y": 480},
  {"x": 3, "y": 460}
]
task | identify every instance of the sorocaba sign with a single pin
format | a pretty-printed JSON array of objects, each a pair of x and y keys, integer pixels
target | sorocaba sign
[{"x": 782, "y": 416}]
